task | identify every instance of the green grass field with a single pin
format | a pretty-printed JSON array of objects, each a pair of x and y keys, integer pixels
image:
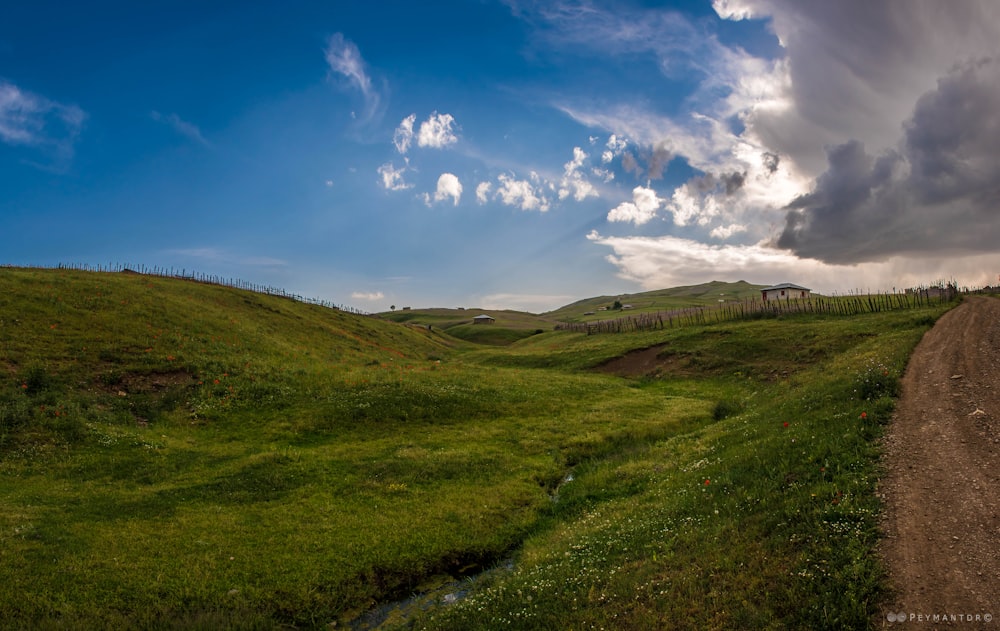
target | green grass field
[{"x": 183, "y": 456}]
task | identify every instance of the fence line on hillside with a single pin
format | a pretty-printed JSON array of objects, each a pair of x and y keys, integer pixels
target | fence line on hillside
[
  {"x": 754, "y": 309},
  {"x": 192, "y": 275}
]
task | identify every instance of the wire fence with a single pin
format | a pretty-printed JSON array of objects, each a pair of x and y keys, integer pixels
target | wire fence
[
  {"x": 192, "y": 275},
  {"x": 753, "y": 309}
]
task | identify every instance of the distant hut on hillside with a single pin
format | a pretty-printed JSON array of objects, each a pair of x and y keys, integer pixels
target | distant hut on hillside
[
  {"x": 784, "y": 291},
  {"x": 483, "y": 319}
]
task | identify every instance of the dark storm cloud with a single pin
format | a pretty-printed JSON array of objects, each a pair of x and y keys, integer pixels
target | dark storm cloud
[
  {"x": 953, "y": 139},
  {"x": 939, "y": 192},
  {"x": 856, "y": 67}
]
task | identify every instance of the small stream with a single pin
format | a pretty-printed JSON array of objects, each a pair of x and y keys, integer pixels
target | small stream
[
  {"x": 398, "y": 612},
  {"x": 450, "y": 592}
]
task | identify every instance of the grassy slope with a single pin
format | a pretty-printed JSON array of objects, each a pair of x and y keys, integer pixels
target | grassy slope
[
  {"x": 510, "y": 326},
  {"x": 173, "y": 452},
  {"x": 706, "y": 294}
]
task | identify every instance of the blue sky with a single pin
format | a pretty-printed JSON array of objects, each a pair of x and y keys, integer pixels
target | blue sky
[{"x": 505, "y": 153}]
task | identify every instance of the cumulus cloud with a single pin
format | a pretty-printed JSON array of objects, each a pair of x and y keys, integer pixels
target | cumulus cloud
[
  {"x": 344, "y": 58},
  {"x": 573, "y": 183},
  {"x": 403, "y": 135},
  {"x": 31, "y": 120},
  {"x": 615, "y": 147},
  {"x": 483, "y": 192},
  {"x": 521, "y": 194},
  {"x": 392, "y": 178},
  {"x": 640, "y": 210},
  {"x": 448, "y": 186},
  {"x": 437, "y": 131}
]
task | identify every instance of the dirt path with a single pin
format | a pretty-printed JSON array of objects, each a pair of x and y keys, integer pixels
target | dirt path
[{"x": 942, "y": 484}]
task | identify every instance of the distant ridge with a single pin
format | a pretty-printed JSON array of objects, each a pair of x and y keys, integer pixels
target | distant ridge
[{"x": 704, "y": 294}]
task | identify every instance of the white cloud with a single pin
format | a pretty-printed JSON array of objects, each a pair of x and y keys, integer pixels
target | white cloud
[
  {"x": 640, "y": 210},
  {"x": 521, "y": 194},
  {"x": 688, "y": 207},
  {"x": 447, "y": 186},
  {"x": 483, "y": 192},
  {"x": 615, "y": 147},
  {"x": 724, "y": 232},
  {"x": 370, "y": 296},
  {"x": 403, "y": 136},
  {"x": 437, "y": 131},
  {"x": 31, "y": 120},
  {"x": 605, "y": 174},
  {"x": 182, "y": 127},
  {"x": 344, "y": 58},
  {"x": 392, "y": 178},
  {"x": 573, "y": 182}
]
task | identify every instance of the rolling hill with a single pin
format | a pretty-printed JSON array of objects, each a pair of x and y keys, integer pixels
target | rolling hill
[
  {"x": 511, "y": 326},
  {"x": 705, "y": 294},
  {"x": 179, "y": 455}
]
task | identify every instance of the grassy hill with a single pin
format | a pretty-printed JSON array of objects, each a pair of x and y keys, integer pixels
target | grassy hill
[
  {"x": 509, "y": 326},
  {"x": 706, "y": 294},
  {"x": 175, "y": 455}
]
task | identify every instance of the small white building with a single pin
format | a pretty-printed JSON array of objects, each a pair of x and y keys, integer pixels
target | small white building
[
  {"x": 784, "y": 291},
  {"x": 483, "y": 319}
]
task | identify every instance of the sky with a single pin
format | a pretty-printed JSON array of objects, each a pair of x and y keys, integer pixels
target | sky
[{"x": 505, "y": 153}]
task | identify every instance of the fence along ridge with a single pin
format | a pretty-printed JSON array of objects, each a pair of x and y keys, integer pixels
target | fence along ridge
[
  {"x": 192, "y": 275},
  {"x": 753, "y": 309}
]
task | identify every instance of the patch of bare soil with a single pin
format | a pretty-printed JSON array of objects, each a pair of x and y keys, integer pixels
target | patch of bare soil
[
  {"x": 635, "y": 363},
  {"x": 942, "y": 483},
  {"x": 154, "y": 382}
]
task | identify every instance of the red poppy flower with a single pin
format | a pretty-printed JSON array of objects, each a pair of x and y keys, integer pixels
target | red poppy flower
[
  {"x": 707, "y": 481},
  {"x": 864, "y": 415}
]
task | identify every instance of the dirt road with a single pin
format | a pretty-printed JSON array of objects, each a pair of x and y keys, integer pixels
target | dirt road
[{"x": 942, "y": 482}]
